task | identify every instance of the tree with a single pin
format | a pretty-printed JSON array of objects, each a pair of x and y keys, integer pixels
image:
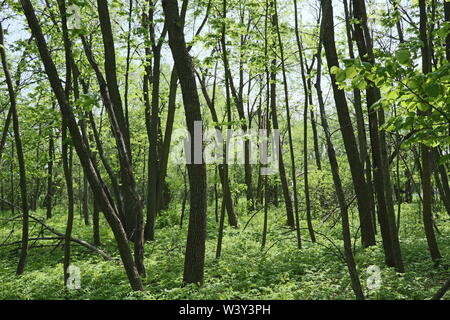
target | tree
[
  {"x": 195, "y": 246},
  {"x": 95, "y": 181},
  {"x": 424, "y": 149},
  {"x": 20, "y": 158},
  {"x": 354, "y": 160}
]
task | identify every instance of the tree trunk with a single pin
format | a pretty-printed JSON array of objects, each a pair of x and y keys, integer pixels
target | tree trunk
[
  {"x": 97, "y": 185},
  {"x": 51, "y": 152},
  {"x": 22, "y": 171},
  {"x": 275, "y": 126},
  {"x": 195, "y": 246},
  {"x": 425, "y": 151},
  {"x": 356, "y": 168},
  {"x": 351, "y": 265},
  {"x": 289, "y": 127},
  {"x": 383, "y": 187}
]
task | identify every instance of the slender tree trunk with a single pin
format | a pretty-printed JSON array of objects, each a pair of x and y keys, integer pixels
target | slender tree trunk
[
  {"x": 67, "y": 166},
  {"x": 51, "y": 152},
  {"x": 20, "y": 158},
  {"x": 386, "y": 215},
  {"x": 275, "y": 126},
  {"x": 222, "y": 167},
  {"x": 133, "y": 215},
  {"x": 351, "y": 265},
  {"x": 153, "y": 123},
  {"x": 442, "y": 177},
  {"x": 289, "y": 128},
  {"x": 229, "y": 86},
  {"x": 85, "y": 194},
  {"x": 425, "y": 151},
  {"x": 356, "y": 168},
  {"x": 173, "y": 86},
  {"x": 221, "y": 226},
  {"x": 360, "y": 123},
  {"x": 97, "y": 185},
  {"x": 183, "y": 202},
  {"x": 11, "y": 180},
  {"x": 238, "y": 100},
  {"x": 96, "y": 223},
  {"x": 312, "y": 116},
  {"x": 128, "y": 62},
  {"x": 195, "y": 246},
  {"x": 306, "y": 89}
]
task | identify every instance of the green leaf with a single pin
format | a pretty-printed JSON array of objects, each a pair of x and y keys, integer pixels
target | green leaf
[
  {"x": 444, "y": 159},
  {"x": 351, "y": 72},
  {"x": 403, "y": 56},
  {"x": 433, "y": 90},
  {"x": 340, "y": 75},
  {"x": 334, "y": 70}
]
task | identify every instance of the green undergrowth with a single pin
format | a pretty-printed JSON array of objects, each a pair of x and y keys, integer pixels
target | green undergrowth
[{"x": 244, "y": 271}]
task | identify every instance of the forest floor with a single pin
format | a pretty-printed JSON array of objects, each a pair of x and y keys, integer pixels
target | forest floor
[{"x": 245, "y": 271}]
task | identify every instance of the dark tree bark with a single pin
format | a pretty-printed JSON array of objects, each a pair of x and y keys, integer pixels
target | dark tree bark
[
  {"x": 97, "y": 185},
  {"x": 67, "y": 155},
  {"x": 173, "y": 86},
  {"x": 441, "y": 292},
  {"x": 133, "y": 215},
  {"x": 312, "y": 116},
  {"x": 11, "y": 179},
  {"x": 351, "y": 265},
  {"x": 442, "y": 176},
  {"x": 360, "y": 123},
  {"x": 220, "y": 235},
  {"x": 96, "y": 223},
  {"x": 195, "y": 246},
  {"x": 425, "y": 151},
  {"x": 85, "y": 193},
  {"x": 229, "y": 86},
  {"x": 306, "y": 90},
  {"x": 128, "y": 62},
  {"x": 153, "y": 75},
  {"x": 20, "y": 158},
  {"x": 36, "y": 182},
  {"x": 133, "y": 221},
  {"x": 359, "y": 182},
  {"x": 51, "y": 152},
  {"x": 289, "y": 126},
  {"x": 275, "y": 126},
  {"x": 383, "y": 187},
  {"x": 183, "y": 202}
]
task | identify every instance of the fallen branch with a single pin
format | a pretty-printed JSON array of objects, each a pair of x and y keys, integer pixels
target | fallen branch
[
  {"x": 76, "y": 240},
  {"x": 438, "y": 295},
  {"x": 62, "y": 235},
  {"x": 31, "y": 239}
]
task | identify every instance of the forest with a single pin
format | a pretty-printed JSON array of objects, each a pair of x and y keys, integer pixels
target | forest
[{"x": 225, "y": 149}]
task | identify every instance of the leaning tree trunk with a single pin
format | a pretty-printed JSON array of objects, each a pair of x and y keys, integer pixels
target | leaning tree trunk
[
  {"x": 97, "y": 185},
  {"x": 20, "y": 158},
  {"x": 356, "y": 168},
  {"x": 349, "y": 258},
  {"x": 386, "y": 216},
  {"x": 195, "y": 246}
]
